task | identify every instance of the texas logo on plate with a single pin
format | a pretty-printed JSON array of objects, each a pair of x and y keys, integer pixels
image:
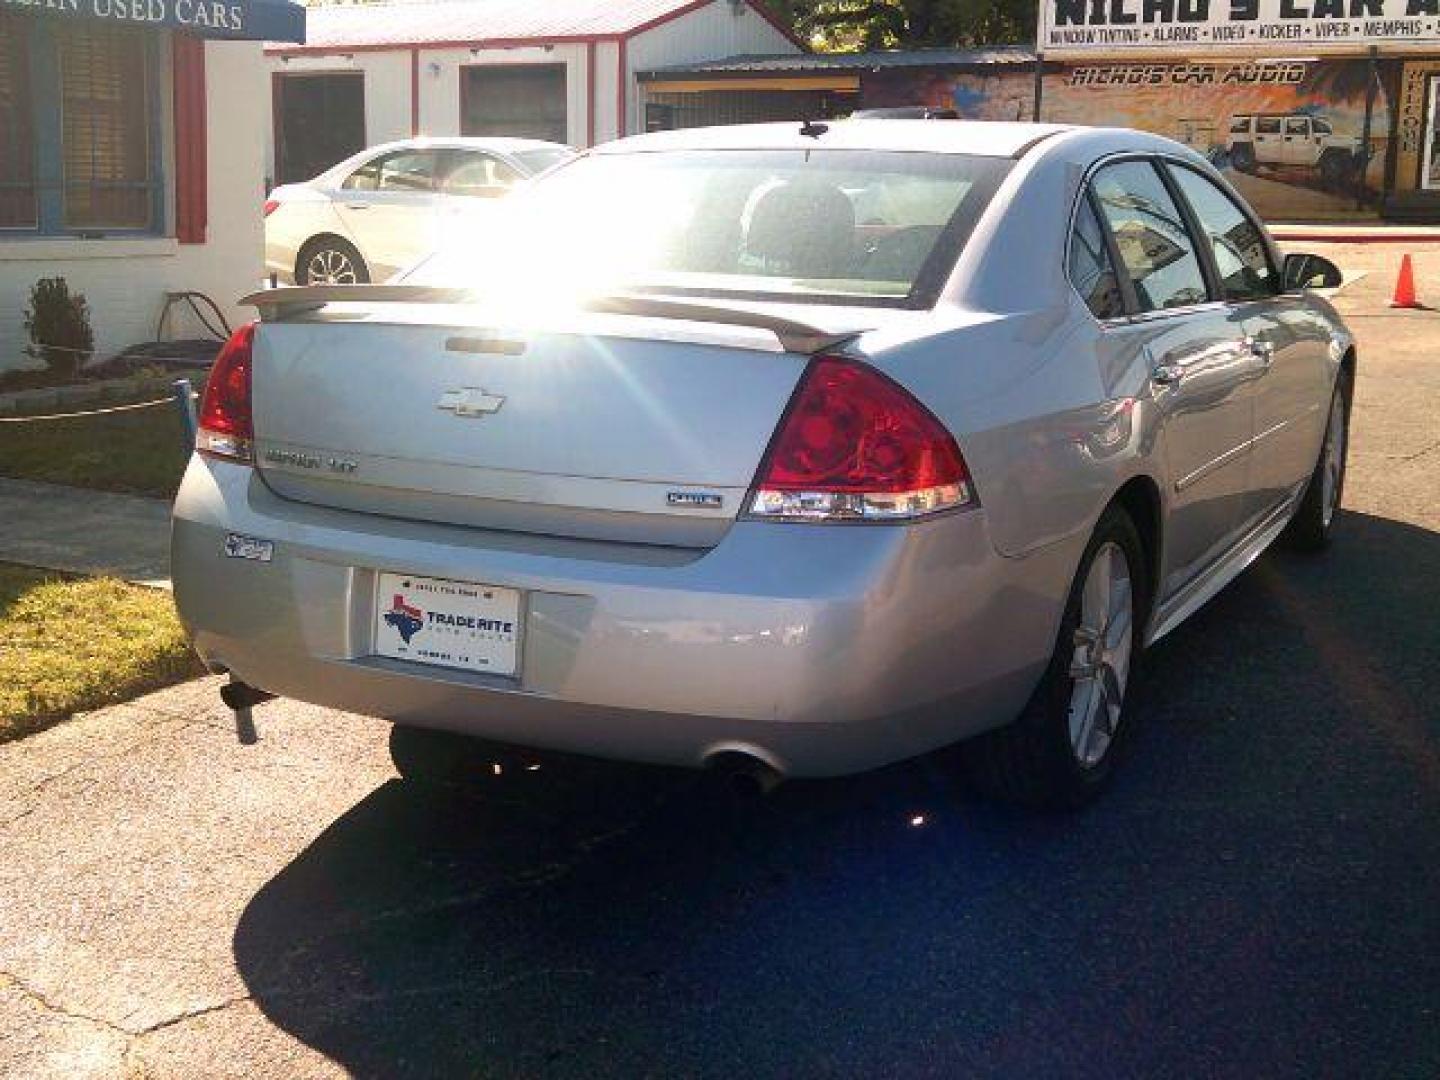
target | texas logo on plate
[{"x": 455, "y": 624}]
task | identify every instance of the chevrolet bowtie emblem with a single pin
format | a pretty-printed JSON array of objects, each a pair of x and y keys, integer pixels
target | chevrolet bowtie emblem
[{"x": 471, "y": 401}]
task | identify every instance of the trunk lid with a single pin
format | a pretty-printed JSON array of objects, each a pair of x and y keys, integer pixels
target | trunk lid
[{"x": 602, "y": 425}]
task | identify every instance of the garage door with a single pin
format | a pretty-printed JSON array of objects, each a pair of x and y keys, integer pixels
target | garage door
[
  {"x": 522, "y": 100},
  {"x": 321, "y": 122}
]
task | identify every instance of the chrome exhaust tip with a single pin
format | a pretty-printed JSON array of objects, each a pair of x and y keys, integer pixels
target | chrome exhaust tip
[{"x": 745, "y": 773}]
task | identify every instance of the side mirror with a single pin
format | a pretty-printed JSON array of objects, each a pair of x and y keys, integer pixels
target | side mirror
[{"x": 1309, "y": 272}]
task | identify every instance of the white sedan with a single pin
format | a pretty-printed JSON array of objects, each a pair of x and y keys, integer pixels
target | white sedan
[{"x": 379, "y": 211}]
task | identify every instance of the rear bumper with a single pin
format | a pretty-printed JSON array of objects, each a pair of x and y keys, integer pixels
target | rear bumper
[
  {"x": 823, "y": 650},
  {"x": 280, "y": 261}
]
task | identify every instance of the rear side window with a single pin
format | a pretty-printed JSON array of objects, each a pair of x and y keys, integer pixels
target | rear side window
[
  {"x": 1091, "y": 271},
  {"x": 1268, "y": 125},
  {"x": 1241, "y": 257},
  {"x": 1240, "y": 124},
  {"x": 1150, "y": 234},
  {"x": 1296, "y": 127},
  {"x": 406, "y": 170}
]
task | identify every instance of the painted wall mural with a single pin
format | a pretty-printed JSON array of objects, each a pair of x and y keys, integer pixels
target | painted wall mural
[{"x": 1287, "y": 134}]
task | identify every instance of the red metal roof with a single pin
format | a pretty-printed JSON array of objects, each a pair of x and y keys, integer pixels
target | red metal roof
[{"x": 367, "y": 26}]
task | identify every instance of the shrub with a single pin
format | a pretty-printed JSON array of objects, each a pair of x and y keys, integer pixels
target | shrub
[{"x": 58, "y": 322}]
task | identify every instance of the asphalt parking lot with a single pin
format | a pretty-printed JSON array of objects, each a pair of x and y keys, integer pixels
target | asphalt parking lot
[{"x": 1259, "y": 895}]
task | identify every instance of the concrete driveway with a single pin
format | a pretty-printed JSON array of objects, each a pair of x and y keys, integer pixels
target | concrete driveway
[{"x": 1258, "y": 896}]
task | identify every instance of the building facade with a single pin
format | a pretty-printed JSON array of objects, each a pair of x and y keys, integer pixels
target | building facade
[
  {"x": 129, "y": 161},
  {"x": 563, "y": 70},
  {"x": 1314, "y": 113}
]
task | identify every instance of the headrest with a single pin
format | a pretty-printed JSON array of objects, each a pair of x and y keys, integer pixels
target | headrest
[{"x": 804, "y": 229}]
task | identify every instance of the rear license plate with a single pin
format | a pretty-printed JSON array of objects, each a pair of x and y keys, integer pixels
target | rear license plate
[{"x": 454, "y": 624}]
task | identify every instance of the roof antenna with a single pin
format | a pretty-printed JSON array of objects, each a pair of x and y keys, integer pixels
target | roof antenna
[{"x": 810, "y": 129}]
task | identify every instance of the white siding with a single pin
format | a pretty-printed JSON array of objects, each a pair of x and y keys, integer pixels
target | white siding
[
  {"x": 125, "y": 281},
  {"x": 607, "y": 71},
  {"x": 718, "y": 30}
]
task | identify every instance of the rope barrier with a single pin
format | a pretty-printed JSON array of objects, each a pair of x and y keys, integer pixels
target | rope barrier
[
  {"x": 90, "y": 412},
  {"x": 40, "y": 350}
]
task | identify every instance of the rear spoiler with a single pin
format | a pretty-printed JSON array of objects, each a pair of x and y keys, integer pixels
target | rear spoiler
[{"x": 277, "y": 305}]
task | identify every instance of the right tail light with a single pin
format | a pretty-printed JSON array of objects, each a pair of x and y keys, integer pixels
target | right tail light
[{"x": 856, "y": 446}]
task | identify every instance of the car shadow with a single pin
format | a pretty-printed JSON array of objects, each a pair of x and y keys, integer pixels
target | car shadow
[{"x": 1250, "y": 898}]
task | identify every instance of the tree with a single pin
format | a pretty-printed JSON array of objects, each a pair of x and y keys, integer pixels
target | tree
[{"x": 853, "y": 25}]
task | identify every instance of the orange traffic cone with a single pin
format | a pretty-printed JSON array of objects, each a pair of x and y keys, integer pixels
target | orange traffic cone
[{"x": 1405, "y": 286}]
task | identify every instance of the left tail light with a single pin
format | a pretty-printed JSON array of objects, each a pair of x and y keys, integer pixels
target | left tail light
[
  {"x": 226, "y": 427},
  {"x": 856, "y": 446},
  {"x": 271, "y": 205}
]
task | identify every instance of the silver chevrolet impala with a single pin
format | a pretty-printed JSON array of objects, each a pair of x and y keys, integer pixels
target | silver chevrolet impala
[{"x": 793, "y": 449}]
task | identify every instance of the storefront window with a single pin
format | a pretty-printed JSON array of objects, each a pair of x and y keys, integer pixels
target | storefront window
[
  {"x": 105, "y": 132},
  {"x": 17, "y": 161},
  {"x": 78, "y": 109}
]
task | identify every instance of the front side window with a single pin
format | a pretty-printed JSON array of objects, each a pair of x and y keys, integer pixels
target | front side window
[
  {"x": 1322, "y": 127},
  {"x": 479, "y": 175},
  {"x": 77, "y": 137},
  {"x": 866, "y": 226},
  {"x": 1091, "y": 271},
  {"x": 537, "y": 161},
  {"x": 1241, "y": 256},
  {"x": 1150, "y": 234}
]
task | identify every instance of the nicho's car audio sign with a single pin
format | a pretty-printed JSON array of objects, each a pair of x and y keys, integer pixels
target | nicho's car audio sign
[{"x": 1091, "y": 27}]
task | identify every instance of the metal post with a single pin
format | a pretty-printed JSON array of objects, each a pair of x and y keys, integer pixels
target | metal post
[
  {"x": 1364, "y": 169},
  {"x": 1039, "y": 82},
  {"x": 245, "y": 724},
  {"x": 184, "y": 395}
]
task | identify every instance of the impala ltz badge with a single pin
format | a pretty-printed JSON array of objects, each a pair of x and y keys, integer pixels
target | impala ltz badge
[
  {"x": 694, "y": 500},
  {"x": 471, "y": 401}
]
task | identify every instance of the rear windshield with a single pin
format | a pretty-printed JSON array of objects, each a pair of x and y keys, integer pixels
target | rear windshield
[{"x": 799, "y": 225}]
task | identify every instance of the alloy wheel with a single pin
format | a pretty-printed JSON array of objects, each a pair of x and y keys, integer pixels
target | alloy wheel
[
  {"x": 1100, "y": 664},
  {"x": 330, "y": 267}
]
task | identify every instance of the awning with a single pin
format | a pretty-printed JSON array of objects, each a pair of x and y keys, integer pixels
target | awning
[
  {"x": 850, "y": 83},
  {"x": 237, "y": 20}
]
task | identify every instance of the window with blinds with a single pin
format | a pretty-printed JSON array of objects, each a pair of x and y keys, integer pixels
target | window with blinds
[
  {"x": 106, "y": 157},
  {"x": 18, "y": 204}
]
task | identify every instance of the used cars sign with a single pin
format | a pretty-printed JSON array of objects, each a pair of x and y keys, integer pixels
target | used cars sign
[
  {"x": 249, "y": 20},
  {"x": 1091, "y": 27}
]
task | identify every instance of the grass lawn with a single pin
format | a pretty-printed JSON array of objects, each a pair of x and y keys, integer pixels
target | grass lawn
[
  {"x": 137, "y": 452},
  {"x": 69, "y": 645}
]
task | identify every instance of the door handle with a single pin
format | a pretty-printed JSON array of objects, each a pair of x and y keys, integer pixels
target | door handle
[
  {"x": 1167, "y": 375},
  {"x": 357, "y": 206},
  {"x": 1264, "y": 351}
]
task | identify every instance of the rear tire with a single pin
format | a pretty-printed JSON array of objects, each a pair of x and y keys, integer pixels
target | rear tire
[
  {"x": 1242, "y": 157},
  {"x": 329, "y": 260},
  {"x": 1060, "y": 753},
  {"x": 1334, "y": 170},
  {"x": 1314, "y": 520}
]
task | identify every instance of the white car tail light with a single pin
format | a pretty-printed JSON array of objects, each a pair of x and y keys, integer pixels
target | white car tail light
[
  {"x": 855, "y": 446},
  {"x": 226, "y": 429}
]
